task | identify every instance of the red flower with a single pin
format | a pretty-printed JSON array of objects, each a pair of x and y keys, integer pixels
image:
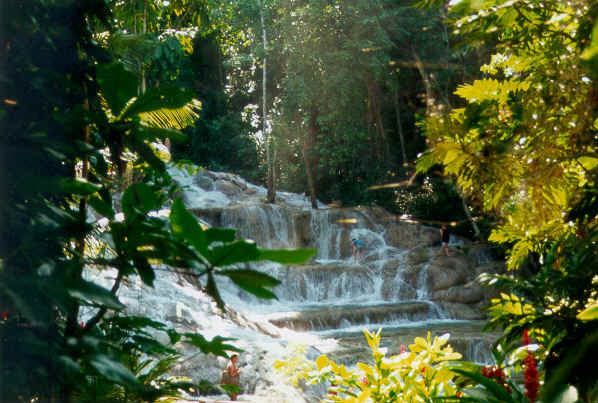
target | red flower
[
  {"x": 4, "y": 315},
  {"x": 365, "y": 380},
  {"x": 402, "y": 348},
  {"x": 530, "y": 375},
  {"x": 495, "y": 373},
  {"x": 526, "y": 339}
]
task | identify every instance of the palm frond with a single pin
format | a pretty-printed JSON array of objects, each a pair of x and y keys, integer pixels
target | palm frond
[{"x": 175, "y": 118}]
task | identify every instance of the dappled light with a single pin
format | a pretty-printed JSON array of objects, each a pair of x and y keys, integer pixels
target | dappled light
[{"x": 299, "y": 201}]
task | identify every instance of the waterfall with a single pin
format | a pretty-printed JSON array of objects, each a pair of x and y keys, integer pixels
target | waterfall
[{"x": 402, "y": 283}]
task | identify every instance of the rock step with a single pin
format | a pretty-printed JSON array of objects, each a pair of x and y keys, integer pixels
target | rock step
[
  {"x": 314, "y": 318},
  {"x": 466, "y": 337}
]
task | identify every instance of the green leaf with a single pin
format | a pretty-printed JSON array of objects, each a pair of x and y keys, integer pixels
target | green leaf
[
  {"x": 252, "y": 281},
  {"x": 592, "y": 50},
  {"x": 185, "y": 227},
  {"x": 287, "y": 256},
  {"x": 147, "y": 154},
  {"x": 225, "y": 235},
  {"x": 235, "y": 252},
  {"x": 78, "y": 186},
  {"x": 101, "y": 206},
  {"x": 145, "y": 270},
  {"x": 590, "y": 313},
  {"x": 494, "y": 388},
  {"x": 150, "y": 346},
  {"x": 165, "y": 96},
  {"x": 139, "y": 198},
  {"x": 94, "y": 294},
  {"x": 215, "y": 346},
  {"x": 212, "y": 291},
  {"x": 117, "y": 84},
  {"x": 114, "y": 371}
]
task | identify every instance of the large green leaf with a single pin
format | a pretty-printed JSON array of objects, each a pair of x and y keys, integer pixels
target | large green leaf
[
  {"x": 101, "y": 206},
  {"x": 212, "y": 291},
  {"x": 93, "y": 294},
  {"x": 145, "y": 270},
  {"x": 497, "y": 391},
  {"x": 166, "y": 96},
  {"x": 220, "y": 235},
  {"x": 175, "y": 118},
  {"x": 287, "y": 256},
  {"x": 148, "y": 155},
  {"x": 78, "y": 186},
  {"x": 239, "y": 251},
  {"x": 114, "y": 371},
  {"x": 139, "y": 198},
  {"x": 185, "y": 227},
  {"x": 252, "y": 281},
  {"x": 117, "y": 84},
  {"x": 216, "y": 346}
]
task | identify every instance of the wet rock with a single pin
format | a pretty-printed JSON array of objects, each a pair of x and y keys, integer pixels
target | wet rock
[
  {"x": 343, "y": 316},
  {"x": 461, "y": 311},
  {"x": 419, "y": 255},
  {"x": 445, "y": 272},
  {"x": 469, "y": 293},
  {"x": 204, "y": 182},
  {"x": 230, "y": 189}
]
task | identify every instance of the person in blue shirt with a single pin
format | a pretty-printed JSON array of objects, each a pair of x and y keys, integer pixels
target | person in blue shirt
[{"x": 357, "y": 247}]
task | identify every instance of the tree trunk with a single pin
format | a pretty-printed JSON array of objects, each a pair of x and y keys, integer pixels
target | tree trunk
[
  {"x": 427, "y": 84},
  {"x": 473, "y": 224},
  {"x": 306, "y": 151},
  {"x": 269, "y": 162},
  {"x": 399, "y": 125}
]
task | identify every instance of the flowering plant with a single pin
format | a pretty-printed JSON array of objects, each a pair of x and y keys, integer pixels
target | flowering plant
[{"x": 418, "y": 374}]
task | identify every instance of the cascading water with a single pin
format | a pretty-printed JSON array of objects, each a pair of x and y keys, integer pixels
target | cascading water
[
  {"x": 392, "y": 286},
  {"x": 402, "y": 284}
]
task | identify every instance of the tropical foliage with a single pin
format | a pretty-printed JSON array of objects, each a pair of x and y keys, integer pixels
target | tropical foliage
[
  {"x": 524, "y": 144},
  {"x": 418, "y": 374}
]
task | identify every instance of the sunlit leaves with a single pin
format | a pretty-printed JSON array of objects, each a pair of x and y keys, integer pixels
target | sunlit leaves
[
  {"x": 491, "y": 89},
  {"x": 420, "y": 373}
]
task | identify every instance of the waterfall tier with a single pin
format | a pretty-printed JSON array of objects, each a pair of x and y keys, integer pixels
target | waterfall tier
[{"x": 403, "y": 279}]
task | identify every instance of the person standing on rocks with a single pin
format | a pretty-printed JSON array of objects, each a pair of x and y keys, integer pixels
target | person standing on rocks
[
  {"x": 230, "y": 376},
  {"x": 357, "y": 246},
  {"x": 445, "y": 235}
]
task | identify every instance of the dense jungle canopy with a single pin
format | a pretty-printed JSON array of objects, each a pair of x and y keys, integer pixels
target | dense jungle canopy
[{"x": 479, "y": 113}]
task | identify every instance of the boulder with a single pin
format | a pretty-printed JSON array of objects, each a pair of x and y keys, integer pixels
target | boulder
[
  {"x": 204, "y": 182},
  {"x": 230, "y": 189},
  {"x": 469, "y": 293},
  {"x": 445, "y": 272}
]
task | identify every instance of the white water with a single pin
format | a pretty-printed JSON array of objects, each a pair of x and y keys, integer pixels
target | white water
[{"x": 331, "y": 281}]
